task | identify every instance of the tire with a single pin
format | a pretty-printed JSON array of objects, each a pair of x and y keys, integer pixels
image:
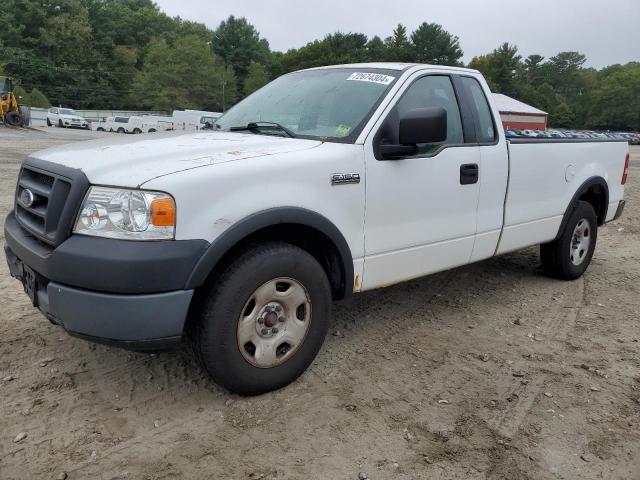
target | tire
[
  {"x": 121, "y": 130},
  {"x": 569, "y": 256},
  {"x": 49, "y": 124},
  {"x": 60, "y": 124},
  {"x": 14, "y": 119},
  {"x": 237, "y": 297},
  {"x": 100, "y": 129},
  {"x": 137, "y": 130},
  {"x": 152, "y": 130}
]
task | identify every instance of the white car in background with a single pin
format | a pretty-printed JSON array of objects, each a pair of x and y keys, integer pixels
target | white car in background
[{"x": 66, "y": 117}]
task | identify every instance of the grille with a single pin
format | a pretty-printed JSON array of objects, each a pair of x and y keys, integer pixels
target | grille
[{"x": 50, "y": 193}]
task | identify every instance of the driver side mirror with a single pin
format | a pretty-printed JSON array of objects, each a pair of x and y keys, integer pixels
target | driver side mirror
[{"x": 421, "y": 125}]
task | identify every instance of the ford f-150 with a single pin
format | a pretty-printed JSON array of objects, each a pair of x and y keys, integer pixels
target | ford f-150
[{"x": 323, "y": 183}]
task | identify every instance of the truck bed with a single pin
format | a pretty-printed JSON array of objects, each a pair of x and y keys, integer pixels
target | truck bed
[{"x": 544, "y": 176}]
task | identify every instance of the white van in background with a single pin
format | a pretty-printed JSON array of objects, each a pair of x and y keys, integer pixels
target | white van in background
[
  {"x": 193, "y": 119},
  {"x": 134, "y": 124}
]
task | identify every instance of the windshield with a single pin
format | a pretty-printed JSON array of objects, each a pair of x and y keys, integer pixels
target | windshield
[
  {"x": 332, "y": 104},
  {"x": 5, "y": 85},
  {"x": 67, "y": 111}
]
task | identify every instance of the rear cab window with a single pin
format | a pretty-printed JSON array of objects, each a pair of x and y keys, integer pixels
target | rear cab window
[{"x": 485, "y": 127}]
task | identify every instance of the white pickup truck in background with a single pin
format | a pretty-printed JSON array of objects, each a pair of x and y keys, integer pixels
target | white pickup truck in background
[{"x": 323, "y": 183}]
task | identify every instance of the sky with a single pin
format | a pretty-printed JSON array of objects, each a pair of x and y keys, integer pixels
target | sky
[{"x": 607, "y": 32}]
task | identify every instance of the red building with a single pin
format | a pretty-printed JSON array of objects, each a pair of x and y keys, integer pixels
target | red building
[{"x": 518, "y": 115}]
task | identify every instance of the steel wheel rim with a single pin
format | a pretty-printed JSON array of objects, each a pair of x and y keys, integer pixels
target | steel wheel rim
[
  {"x": 580, "y": 242},
  {"x": 274, "y": 322}
]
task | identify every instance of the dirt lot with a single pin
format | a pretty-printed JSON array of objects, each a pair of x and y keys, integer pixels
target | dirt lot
[{"x": 487, "y": 371}]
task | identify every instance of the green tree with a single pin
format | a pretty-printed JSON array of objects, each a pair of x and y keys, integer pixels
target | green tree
[
  {"x": 238, "y": 43},
  {"x": 616, "y": 103},
  {"x": 534, "y": 69},
  {"x": 398, "y": 46},
  {"x": 257, "y": 77},
  {"x": 564, "y": 73},
  {"x": 503, "y": 69},
  {"x": 376, "y": 50},
  {"x": 38, "y": 99},
  {"x": 433, "y": 44},
  {"x": 562, "y": 115},
  {"x": 22, "y": 96},
  {"x": 333, "y": 49},
  {"x": 183, "y": 74}
]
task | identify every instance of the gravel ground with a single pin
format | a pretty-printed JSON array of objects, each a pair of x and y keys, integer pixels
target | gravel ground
[{"x": 486, "y": 371}]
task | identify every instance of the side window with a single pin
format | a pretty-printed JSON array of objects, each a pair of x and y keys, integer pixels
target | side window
[
  {"x": 54, "y": 110},
  {"x": 486, "y": 131},
  {"x": 434, "y": 91}
]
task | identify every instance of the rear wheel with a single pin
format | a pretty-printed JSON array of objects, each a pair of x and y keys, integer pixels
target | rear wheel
[
  {"x": 264, "y": 319},
  {"x": 569, "y": 256},
  {"x": 121, "y": 130},
  {"x": 137, "y": 130},
  {"x": 100, "y": 129}
]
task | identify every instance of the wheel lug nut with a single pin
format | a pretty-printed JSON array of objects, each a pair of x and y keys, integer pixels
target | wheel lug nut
[
  {"x": 274, "y": 330},
  {"x": 281, "y": 319},
  {"x": 261, "y": 320},
  {"x": 265, "y": 331}
]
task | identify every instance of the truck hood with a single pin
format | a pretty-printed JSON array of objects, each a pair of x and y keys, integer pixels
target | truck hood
[{"x": 130, "y": 162}]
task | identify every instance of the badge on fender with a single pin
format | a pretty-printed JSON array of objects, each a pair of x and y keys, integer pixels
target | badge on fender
[{"x": 345, "y": 178}]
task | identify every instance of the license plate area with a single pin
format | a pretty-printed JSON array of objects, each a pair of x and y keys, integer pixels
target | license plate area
[{"x": 30, "y": 284}]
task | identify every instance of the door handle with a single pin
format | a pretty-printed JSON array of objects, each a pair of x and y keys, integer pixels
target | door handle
[{"x": 469, "y": 173}]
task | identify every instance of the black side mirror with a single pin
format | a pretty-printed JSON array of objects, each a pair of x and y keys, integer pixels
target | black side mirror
[{"x": 421, "y": 125}]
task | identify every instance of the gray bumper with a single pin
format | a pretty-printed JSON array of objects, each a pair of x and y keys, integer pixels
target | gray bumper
[
  {"x": 116, "y": 318},
  {"x": 137, "y": 321}
]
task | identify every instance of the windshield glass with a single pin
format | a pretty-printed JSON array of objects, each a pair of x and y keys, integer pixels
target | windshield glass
[
  {"x": 4, "y": 85},
  {"x": 332, "y": 104},
  {"x": 67, "y": 111}
]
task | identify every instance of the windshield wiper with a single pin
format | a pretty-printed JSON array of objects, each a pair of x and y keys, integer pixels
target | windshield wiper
[{"x": 256, "y": 126}]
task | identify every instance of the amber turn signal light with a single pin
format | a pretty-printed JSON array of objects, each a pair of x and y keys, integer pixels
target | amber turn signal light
[{"x": 163, "y": 212}]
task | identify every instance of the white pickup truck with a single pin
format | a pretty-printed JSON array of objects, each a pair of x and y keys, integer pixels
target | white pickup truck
[{"x": 323, "y": 183}]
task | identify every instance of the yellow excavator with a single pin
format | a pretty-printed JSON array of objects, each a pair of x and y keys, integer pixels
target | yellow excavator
[{"x": 9, "y": 108}]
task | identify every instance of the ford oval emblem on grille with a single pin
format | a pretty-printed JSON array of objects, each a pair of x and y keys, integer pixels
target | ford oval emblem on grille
[{"x": 27, "y": 198}]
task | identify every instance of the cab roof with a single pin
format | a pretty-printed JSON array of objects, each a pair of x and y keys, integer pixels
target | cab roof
[{"x": 399, "y": 66}]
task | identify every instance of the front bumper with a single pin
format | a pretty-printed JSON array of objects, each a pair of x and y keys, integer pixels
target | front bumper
[
  {"x": 126, "y": 293},
  {"x": 73, "y": 123},
  {"x": 132, "y": 321}
]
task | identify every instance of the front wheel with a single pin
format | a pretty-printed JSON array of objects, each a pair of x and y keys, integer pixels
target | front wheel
[
  {"x": 121, "y": 130},
  {"x": 568, "y": 256},
  {"x": 264, "y": 319},
  {"x": 14, "y": 119},
  {"x": 137, "y": 130},
  {"x": 60, "y": 124},
  {"x": 49, "y": 124}
]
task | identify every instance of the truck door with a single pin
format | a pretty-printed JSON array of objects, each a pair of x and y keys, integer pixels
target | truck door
[{"x": 421, "y": 210}]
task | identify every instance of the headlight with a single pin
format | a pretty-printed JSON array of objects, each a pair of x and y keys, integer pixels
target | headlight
[{"x": 127, "y": 214}]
